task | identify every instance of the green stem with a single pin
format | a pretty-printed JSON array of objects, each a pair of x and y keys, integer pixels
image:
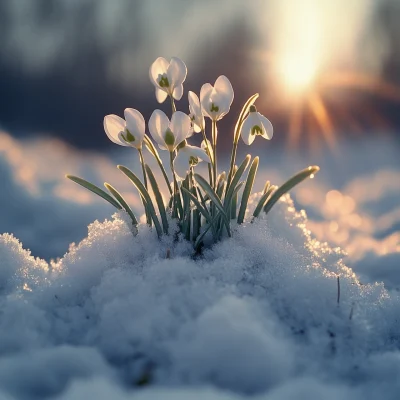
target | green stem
[
  {"x": 172, "y": 104},
  {"x": 214, "y": 145},
  {"x": 210, "y": 155},
  {"x": 171, "y": 160},
  {"x": 233, "y": 160}
]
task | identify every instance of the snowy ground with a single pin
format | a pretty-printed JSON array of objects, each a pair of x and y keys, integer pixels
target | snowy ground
[{"x": 257, "y": 317}]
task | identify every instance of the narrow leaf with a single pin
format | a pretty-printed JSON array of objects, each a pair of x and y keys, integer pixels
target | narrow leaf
[
  {"x": 247, "y": 190},
  {"x": 93, "y": 188},
  {"x": 122, "y": 201},
  {"x": 145, "y": 194},
  {"x": 288, "y": 185},
  {"x": 263, "y": 199},
  {"x": 159, "y": 199},
  {"x": 214, "y": 198}
]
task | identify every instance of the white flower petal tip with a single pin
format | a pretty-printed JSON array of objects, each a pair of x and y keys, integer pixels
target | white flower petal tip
[
  {"x": 216, "y": 100},
  {"x": 254, "y": 125},
  {"x": 169, "y": 134},
  {"x": 196, "y": 112},
  {"x": 115, "y": 128},
  {"x": 168, "y": 77}
]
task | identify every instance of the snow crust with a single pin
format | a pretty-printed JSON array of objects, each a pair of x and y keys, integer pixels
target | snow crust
[{"x": 256, "y": 316}]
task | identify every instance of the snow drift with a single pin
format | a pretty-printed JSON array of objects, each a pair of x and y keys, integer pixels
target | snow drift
[{"x": 257, "y": 315}]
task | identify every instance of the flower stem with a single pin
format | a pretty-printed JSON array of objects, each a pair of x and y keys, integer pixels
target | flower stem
[
  {"x": 214, "y": 145},
  {"x": 173, "y": 106},
  {"x": 174, "y": 208},
  {"x": 210, "y": 155}
]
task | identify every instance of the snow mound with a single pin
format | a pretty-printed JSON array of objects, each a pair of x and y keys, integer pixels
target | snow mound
[{"x": 259, "y": 314}]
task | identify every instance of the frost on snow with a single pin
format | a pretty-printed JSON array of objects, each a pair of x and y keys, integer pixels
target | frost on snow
[{"x": 257, "y": 316}]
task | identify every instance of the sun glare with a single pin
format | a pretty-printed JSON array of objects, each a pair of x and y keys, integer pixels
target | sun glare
[{"x": 297, "y": 73}]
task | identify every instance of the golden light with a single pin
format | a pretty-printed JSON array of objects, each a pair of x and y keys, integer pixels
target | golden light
[{"x": 297, "y": 72}]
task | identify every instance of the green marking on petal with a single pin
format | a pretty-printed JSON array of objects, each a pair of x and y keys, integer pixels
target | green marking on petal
[
  {"x": 181, "y": 145},
  {"x": 169, "y": 138},
  {"x": 256, "y": 130},
  {"x": 214, "y": 108},
  {"x": 193, "y": 161},
  {"x": 163, "y": 81},
  {"x": 253, "y": 108},
  {"x": 129, "y": 137}
]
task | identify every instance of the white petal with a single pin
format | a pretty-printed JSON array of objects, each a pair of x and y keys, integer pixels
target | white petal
[
  {"x": 224, "y": 95},
  {"x": 113, "y": 126},
  {"x": 195, "y": 110},
  {"x": 194, "y": 151},
  {"x": 178, "y": 92},
  {"x": 245, "y": 131},
  {"x": 180, "y": 126},
  {"x": 161, "y": 95},
  {"x": 158, "y": 124},
  {"x": 181, "y": 163},
  {"x": 205, "y": 99},
  {"x": 159, "y": 67},
  {"x": 268, "y": 129},
  {"x": 176, "y": 72},
  {"x": 135, "y": 123}
]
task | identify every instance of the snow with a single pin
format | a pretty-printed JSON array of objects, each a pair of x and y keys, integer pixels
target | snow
[{"x": 255, "y": 317}]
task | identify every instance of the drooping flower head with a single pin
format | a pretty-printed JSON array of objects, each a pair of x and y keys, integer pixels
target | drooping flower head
[
  {"x": 126, "y": 132},
  {"x": 168, "y": 78},
  {"x": 169, "y": 134},
  {"x": 216, "y": 100},
  {"x": 188, "y": 156},
  {"x": 254, "y": 125},
  {"x": 196, "y": 114}
]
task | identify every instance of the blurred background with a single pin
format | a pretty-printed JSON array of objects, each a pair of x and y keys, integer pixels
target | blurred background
[{"x": 328, "y": 74}]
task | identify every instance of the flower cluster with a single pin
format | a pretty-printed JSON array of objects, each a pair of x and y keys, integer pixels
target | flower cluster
[{"x": 200, "y": 205}]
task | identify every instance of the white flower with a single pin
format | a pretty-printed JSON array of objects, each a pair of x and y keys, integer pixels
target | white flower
[
  {"x": 168, "y": 78},
  {"x": 188, "y": 156},
  {"x": 126, "y": 132},
  {"x": 256, "y": 124},
  {"x": 216, "y": 101},
  {"x": 168, "y": 134},
  {"x": 196, "y": 115}
]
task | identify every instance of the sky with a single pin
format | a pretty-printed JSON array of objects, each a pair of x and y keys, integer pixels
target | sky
[{"x": 64, "y": 64}]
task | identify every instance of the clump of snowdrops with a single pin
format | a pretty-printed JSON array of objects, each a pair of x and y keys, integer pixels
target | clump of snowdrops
[{"x": 202, "y": 206}]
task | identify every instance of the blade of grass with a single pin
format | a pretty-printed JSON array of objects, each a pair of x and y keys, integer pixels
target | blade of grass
[
  {"x": 159, "y": 199},
  {"x": 214, "y": 198},
  {"x": 122, "y": 201},
  {"x": 290, "y": 184},
  {"x": 263, "y": 200},
  {"x": 145, "y": 194},
  {"x": 247, "y": 190},
  {"x": 94, "y": 189}
]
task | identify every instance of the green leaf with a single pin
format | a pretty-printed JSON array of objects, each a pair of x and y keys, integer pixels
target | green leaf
[
  {"x": 247, "y": 190},
  {"x": 202, "y": 209},
  {"x": 93, "y": 188},
  {"x": 288, "y": 185},
  {"x": 263, "y": 200},
  {"x": 145, "y": 194},
  {"x": 243, "y": 166},
  {"x": 266, "y": 187},
  {"x": 200, "y": 238},
  {"x": 214, "y": 198},
  {"x": 159, "y": 199},
  {"x": 186, "y": 217},
  {"x": 221, "y": 184},
  {"x": 122, "y": 201}
]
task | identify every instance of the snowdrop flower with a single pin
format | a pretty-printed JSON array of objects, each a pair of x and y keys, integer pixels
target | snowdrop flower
[
  {"x": 168, "y": 78},
  {"x": 188, "y": 156},
  {"x": 128, "y": 131},
  {"x": 196, "y": 114},
  {"x": 206, "y": 146},
  {"x": 216, "y": 100},
  {"x": 256, "y": 124},
  {"x": 168, "y": 134}
]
